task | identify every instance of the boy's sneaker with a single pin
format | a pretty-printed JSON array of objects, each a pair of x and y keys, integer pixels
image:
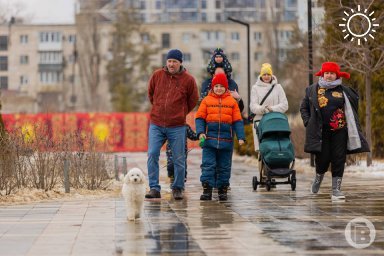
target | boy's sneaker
[
  {"x": 153, "y": 193},
  {"x": 316, "y": 183}
]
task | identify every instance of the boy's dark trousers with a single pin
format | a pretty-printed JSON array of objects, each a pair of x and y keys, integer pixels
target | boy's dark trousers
[{"x": 216, "y": 160}]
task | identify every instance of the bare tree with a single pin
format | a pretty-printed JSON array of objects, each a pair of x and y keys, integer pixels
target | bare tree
[
  {"x": 344, "y": 43},
  {"x": 88, "y": 45},
  {"x": 131, "y": 49}
]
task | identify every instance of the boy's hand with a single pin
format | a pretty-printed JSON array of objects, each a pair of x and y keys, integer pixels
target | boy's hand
[
  {"x": 202, "y": 140},
  {"x": 241, "y": 142}
]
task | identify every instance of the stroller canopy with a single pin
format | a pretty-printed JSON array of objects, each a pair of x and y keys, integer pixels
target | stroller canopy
[{"x": 273, "y": 123}]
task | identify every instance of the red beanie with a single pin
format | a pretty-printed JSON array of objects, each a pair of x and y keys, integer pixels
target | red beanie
[
  {"x": 332, "y": 67},
  {"x": 220, "y": 78}
]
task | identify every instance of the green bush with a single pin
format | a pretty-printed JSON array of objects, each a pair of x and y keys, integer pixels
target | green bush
[{"x": 248, "y": 147}]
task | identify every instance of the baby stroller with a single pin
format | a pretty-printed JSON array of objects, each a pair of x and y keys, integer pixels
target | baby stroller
[{"x": 276, "y": 156}]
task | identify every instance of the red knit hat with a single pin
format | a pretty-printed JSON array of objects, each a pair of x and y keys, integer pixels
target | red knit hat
[
  {"x": 332, "y": 67},
  {"x": 220, "y": 78}
]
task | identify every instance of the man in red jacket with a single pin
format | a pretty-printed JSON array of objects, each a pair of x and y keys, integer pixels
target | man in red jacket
[{"x": 173, "y": 94}]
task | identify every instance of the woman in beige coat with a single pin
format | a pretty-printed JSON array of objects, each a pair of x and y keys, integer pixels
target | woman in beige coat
[{"x": 276, "y": 101}]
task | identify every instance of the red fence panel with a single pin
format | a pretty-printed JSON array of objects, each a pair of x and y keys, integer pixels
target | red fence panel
[{"x": 116, "y": 132}]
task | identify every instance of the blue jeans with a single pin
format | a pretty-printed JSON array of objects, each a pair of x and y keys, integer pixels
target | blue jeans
[{"x": 176, "y": 138}]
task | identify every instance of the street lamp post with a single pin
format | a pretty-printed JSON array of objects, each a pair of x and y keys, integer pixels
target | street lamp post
[
  {"x": 310, "y": 57},
  {"x": 248, "y": 59}
]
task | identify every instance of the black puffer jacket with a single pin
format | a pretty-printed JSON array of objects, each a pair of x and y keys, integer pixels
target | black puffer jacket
[{"x": 311, "y": 115}]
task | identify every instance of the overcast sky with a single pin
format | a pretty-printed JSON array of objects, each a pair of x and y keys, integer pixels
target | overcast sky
[{"x": 48, "y": 11}]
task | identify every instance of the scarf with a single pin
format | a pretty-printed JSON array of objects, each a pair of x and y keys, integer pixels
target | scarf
[{"x": 329, "y": 85}]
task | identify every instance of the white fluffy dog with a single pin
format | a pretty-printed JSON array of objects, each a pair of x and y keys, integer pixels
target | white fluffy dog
[{"x": 133, "y": 192}]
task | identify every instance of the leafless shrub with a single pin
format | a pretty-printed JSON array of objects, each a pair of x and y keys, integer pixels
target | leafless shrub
[
  {"x": 32, "y": 159},
  {"x": 87, "y": 166},
  {"x": 45, "y": 160},
  {"x": 7, "y": 177}
]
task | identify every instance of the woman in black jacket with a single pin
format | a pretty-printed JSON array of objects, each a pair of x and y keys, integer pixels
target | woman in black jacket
[{"x": 330, "y": 114}]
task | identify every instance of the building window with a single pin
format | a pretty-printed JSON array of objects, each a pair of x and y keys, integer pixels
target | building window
[
  {"x": 285, "y": 35},
  {"x": 282, "y": 54},
  {"x": 218, "y": 16},
  {"x": 258, "y": 56},
  {"x": 235, "y": 56},
  {"x": 207, "y": 54},
  {"x": 54, "y": 57},
  {"x": 289, "y": 15},
  {"x": 291, "y": 3},
  {"x": 24, "y": 59},
  {"x": 46, "y": 37},
  {"x": 72, "y": 39},
  {"x": 142, "y": 5},
  {"x": 218, "y": 4},
  {"x": 262, "y": 4},
  {"x": 4, "y": 82},
  {"x": 187, "y": 57},
  {"x": 186, "y": 37},
  {"x": 3, "y": 43},
  {"x": 23, "y": 39},
  {"x": 158, "y": 4},
  {"x": 165, "y": 40},
  {"x": 3, "y": 63},
  {"x": 50, "y": 77},
  {"x": 23, "y": 80},
  {"x": 235, "y": 36},
  {"x": 203, "y": 17},
  {"x": 258, "y": 36},
  {"x": 203, "y": 4}
]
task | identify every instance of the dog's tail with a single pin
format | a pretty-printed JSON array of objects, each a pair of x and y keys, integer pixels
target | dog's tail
[{"x": 121, "y": 176}]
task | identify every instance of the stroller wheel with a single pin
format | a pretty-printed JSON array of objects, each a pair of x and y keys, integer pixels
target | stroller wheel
[
  {"x": 268, "y": 185},
  {"x": 293, "y": 184},
  {"x": 254, "y": 183}
]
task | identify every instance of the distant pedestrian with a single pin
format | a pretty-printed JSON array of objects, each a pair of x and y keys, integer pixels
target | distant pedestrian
[
  {"x": 217, "y": 118},
  {"x": 173, "y": 93},
  {"x": 330, "y": 114}
]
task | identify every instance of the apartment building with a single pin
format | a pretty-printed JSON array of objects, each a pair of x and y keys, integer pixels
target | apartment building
[{"x": 38, "y": 72}]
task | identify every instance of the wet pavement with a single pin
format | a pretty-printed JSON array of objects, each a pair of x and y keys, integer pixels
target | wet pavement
[{"x": 276, "y": 222}]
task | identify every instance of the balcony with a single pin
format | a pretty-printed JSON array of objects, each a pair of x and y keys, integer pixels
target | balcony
[
  {"x": 50, "y": 46},
  {"x": 56, "y": 67},
  {"x": 50, "y": 88}
]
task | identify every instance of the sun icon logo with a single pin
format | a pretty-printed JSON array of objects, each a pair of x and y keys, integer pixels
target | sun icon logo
[{"x": 359, "y": 25}]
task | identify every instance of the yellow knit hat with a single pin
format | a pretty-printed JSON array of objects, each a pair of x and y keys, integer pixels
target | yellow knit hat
[{"x": 266, "y": 68}]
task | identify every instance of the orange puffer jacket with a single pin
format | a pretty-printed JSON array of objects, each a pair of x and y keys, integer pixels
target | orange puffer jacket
[{"x": 216, "y": 117}]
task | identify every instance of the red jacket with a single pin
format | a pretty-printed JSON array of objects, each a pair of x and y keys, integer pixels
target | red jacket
[{"x": 172, "y": 97}]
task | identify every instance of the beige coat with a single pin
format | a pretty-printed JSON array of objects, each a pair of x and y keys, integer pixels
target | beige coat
[{"x": 276, "y": 100}]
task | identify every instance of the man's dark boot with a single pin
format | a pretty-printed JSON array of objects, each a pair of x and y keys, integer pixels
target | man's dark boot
[
  {"x": 223, "y": 193},
  {"x": 153, "y": 193},
  {"x": 207, "y": 192}
]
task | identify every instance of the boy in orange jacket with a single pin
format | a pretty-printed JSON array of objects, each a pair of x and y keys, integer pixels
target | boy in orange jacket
[{"x": 216, "y": 118}]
